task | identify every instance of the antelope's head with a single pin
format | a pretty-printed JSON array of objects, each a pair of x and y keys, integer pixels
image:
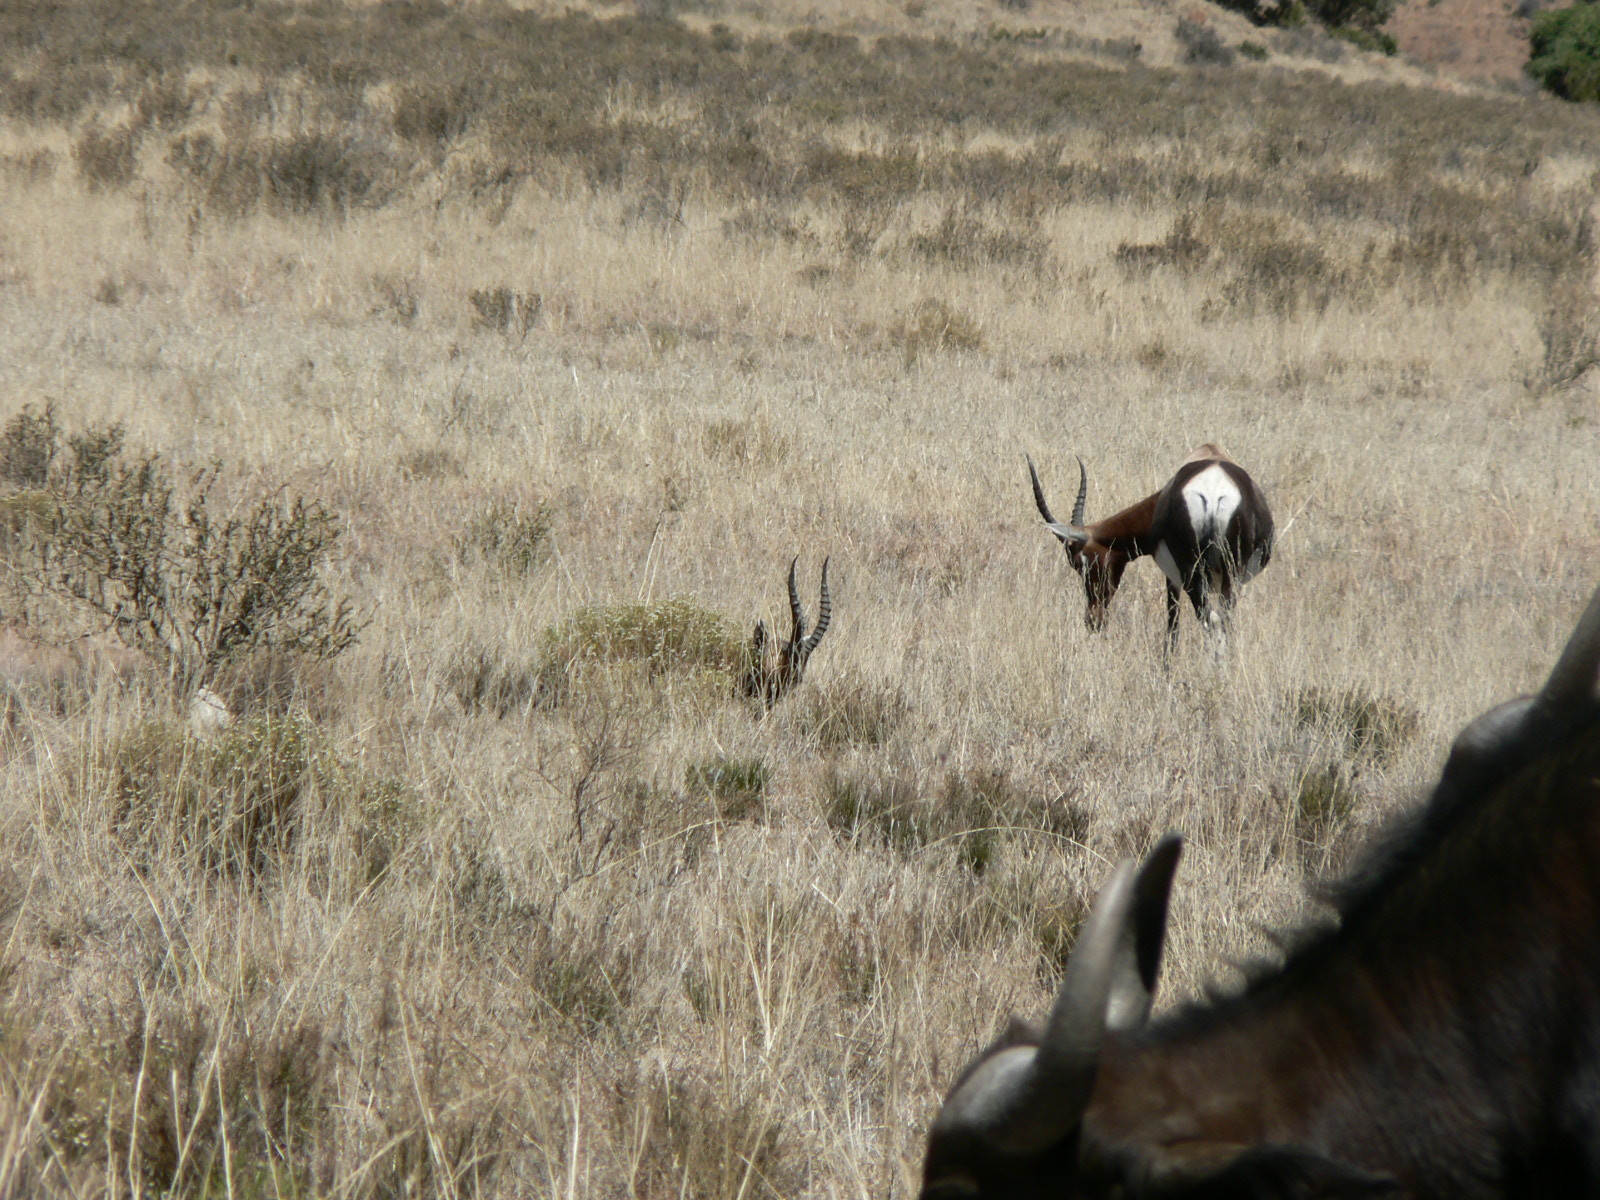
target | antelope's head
[
  {"x": 1011, "y": 1126},
  {"x": 1100, "y": 565},
  {"x": 774, "y": 671}
]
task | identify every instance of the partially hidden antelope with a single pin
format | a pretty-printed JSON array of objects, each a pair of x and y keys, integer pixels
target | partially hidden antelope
[
  {"x": 776, "y": 670},
  {"x": 1209, "y": 529},
  {"x": 1438, "y": 1039}
]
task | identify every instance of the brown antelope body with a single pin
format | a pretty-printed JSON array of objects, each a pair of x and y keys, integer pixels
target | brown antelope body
[
  {"x": 1209, "y": 529},
  {"x": 1440, "y": 1039},
  {"x": 775, "y": 671}
]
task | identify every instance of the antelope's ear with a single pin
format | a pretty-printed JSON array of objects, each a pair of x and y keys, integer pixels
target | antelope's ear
[{"x": 1223, "y": 1171}]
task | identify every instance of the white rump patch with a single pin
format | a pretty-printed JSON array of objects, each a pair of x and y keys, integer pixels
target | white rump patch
[{"x": 1211, "y": 498}]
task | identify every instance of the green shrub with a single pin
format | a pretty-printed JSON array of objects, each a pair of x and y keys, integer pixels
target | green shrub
[
  {"x": 675, "y": 634},
  {"x": 1565, "y": 51},
  {"x": 169, "y": 576}
]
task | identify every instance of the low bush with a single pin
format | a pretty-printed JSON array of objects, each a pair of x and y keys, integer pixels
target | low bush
[
  {"x": 510, "y": 537},
  {"x": 1565, "y": 51},
  {"x": 667, "y": 635},
  {"x": 1368, "y": 727},
  {"x": 120, "y": 543}
]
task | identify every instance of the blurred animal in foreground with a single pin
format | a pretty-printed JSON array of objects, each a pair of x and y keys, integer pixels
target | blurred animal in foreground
[
  {"x": 776, "y": 670},
  {"x": 1441, "y": 1039},
  {"x": 1209, "y": 529}
]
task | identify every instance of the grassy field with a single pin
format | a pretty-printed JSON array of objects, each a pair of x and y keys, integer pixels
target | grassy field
[{"x": 582, "y": 325}]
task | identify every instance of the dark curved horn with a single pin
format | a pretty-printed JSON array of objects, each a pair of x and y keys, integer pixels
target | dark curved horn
[
  {"x": 1070, "y": 534},
  {"x": 824, "y": 613},
  {"x": 1109, "y": 983},
  {"x": 794, "y": 603},
  {"x": 1083, "y": 493},
  {"x": 1575, "y": 679},
  {"x": 1038, "y": 492}
]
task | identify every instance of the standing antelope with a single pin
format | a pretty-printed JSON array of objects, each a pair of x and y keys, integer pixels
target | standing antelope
[
  {"x": 1208, "y": 529},
  {"x": 773, "y": 674},
  {"x": 1439, "y": 1040}
]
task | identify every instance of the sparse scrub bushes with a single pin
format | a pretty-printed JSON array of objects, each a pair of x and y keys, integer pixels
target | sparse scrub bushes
[
  {"x": 508, "y": 537},
  {"x": 933, "y": 326},
  {"x": 107, "y": 158},
  {"x": 746, "y": 442},
  {"x": 850, "y": 711},
  {"x": 238, "y": 805},
  {"x": 505, "y": 310},
  {"x": 1202, "y": 44},
  {"x": 119, "y": 542},
  {"x": 672, "y": 635},
  {"x": 975, "y": 811},
  {"x": 818, "y": 912},
  {"x": 737, "y": 787}
]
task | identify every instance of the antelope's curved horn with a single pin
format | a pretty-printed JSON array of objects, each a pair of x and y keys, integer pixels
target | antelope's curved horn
[
  {"x": 1575, "y": 679},
  {"x": 1083, "y": 493},
  {"x": 1109, "y": 983},
  {"x": 1071, "y": 534},
  {"x": 824, "y": 613},
  {"x": 794, "y": 603}
]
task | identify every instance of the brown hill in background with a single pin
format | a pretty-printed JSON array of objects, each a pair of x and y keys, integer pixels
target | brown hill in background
[{"x": 1480, "y": 39}]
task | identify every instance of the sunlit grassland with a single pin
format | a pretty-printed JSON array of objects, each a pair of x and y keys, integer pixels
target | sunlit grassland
[{"x": 613, "y": 318}]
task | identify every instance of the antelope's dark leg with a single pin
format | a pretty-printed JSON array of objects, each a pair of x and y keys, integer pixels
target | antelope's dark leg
[{"x": 1172, "y": 619}]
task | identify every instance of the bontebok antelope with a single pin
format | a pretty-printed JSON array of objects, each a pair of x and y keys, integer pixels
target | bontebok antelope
[
  {"x": 1209, "y": 529},
  {"x": 774, "y": 671},
  {"x": 1441, "y": 1039}
]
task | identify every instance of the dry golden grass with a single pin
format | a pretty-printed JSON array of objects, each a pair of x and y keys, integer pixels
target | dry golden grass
[{"x": 539, "y": 910}]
